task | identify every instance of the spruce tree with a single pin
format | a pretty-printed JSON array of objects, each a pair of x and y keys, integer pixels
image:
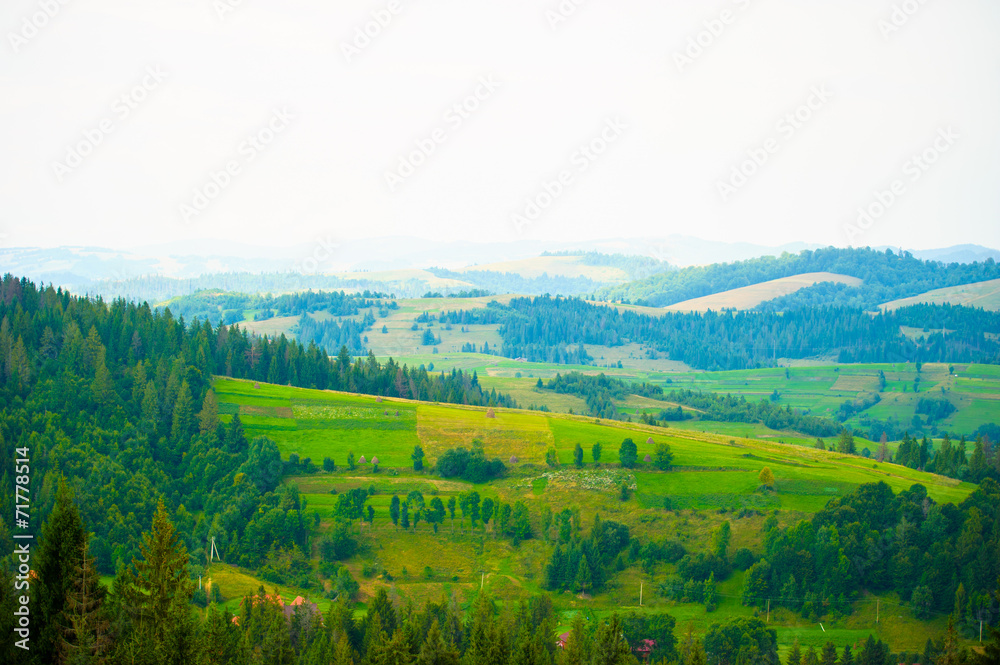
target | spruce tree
[
  {"x": 583, "y": 578},
  {"x": 795, "y": 655},
  {"x": 63, "y": 536},
  {"x": 610, "y": 647},
  {"x": 846, "y": 657},
  {"x": 435, "y": 650},
  {"x": 208, "y": 417},
  {"x": 160, "y": 592},
  {"x": 183, "y": 417},
  {"x": 86, "y": 638},
  {"x": 829, "y": 654}
]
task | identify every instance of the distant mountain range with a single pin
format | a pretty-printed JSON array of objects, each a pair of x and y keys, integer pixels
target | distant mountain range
[{"x": 96, "y": 269}]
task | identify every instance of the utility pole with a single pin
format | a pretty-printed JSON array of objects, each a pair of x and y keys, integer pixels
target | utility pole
[
  {"x": 768, "y": 611},
  {"x": 482, "y": 581}
]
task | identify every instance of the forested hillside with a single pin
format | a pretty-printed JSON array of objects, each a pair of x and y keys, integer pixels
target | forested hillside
[
  {"x": 134, "y": 466},
  {"x": 555, "y": 330},
  {"x": 886, "y": 275},
  {"x": 132, "y": 414}
]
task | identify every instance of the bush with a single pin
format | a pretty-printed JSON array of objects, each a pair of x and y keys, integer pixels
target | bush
[
  {"x": 743, "y": 559},
  {"x": 469, "y": 465},
  {"x": 339, "y": 544},
  {"x": 628, "y": 454}
]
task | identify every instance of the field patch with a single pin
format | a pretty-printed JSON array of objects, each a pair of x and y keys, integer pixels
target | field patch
[
  {"x": 977, "y": 294},
  {"x": 748, "y": 297},
  {"x": 856, "y": 383},
  {"x": 508, "y": 434}
]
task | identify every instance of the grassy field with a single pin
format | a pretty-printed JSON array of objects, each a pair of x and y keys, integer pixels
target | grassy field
[
  {"x": 815, "y": 386},
  {"x": 714, "y": 477},
  {"x": 979, "y": 294},
  {"x": 748, "y": 297},
  {"x": 820, "y": 390}
]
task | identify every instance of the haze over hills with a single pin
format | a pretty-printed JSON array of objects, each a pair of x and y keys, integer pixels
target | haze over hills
[{"x": 94, "y": 269}]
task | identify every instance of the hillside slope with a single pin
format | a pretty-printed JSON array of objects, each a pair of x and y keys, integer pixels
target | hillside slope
[
  {"x": 748, "y": 297},
  {"x": 979, "y": 294}
]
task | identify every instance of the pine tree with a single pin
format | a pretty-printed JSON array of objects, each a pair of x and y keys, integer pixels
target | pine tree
[
  {"x": 86, "y": 638},
  {"x": 583, "y": 578},
  {"x": 435, "y": 650},
  {"x": 846, "y": 657},
  {"x": 161, "y": 591},
  {"x": 220, "y": 639},
  {"x": 698, "y": 656},
  {"x": 610, "y": 647},
  {"x": 708, "y": 594},
  {"x": 342, "y": 654},
  {"x": 394, "y": 510},
  {"x": 62, "y": 539},
  {"x": 575, "y": 650},
  {"x": 208, "y": 417},
  {"x": 795, "y": 655},
  {"x": 829, "y": 654},
  {"x": 183, "y": 418},
  {"x": 953, "y": 652},
  {"x": 720, "y": 540},
  {"x": 150, "y": 404},
  {"x": 236, "y": 440},
  {"x": 883, "y": 449}
]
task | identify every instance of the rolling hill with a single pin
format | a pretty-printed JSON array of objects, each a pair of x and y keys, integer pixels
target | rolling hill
[
  {"x": 979, "y": 294},
  {"x": 748, "y": 297},
  {"x": 714, "y": 479}
]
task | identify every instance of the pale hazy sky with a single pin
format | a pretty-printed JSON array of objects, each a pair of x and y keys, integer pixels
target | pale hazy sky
[{"x": 333, "y": 115}]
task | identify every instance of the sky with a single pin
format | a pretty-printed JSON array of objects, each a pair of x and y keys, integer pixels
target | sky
[{"x": 277, "y": 122}]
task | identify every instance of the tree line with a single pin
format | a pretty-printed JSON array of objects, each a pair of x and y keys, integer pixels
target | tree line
[
  {"x": 549, "y": 329},
  {"x": 885, "y": 275}
]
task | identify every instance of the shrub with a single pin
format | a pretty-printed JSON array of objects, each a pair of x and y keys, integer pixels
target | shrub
[{"x": 743, "y": 559}]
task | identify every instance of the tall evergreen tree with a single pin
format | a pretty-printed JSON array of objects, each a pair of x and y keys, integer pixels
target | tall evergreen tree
[
  {"x": 828, "y": 656},
  {"x": 610, "y": 647},
  {"x": 436, "y": 650},
  {"x": 86, "y": 639},
  {"x": 62, "y": 539},
  {"x": 160, "y": 592}
]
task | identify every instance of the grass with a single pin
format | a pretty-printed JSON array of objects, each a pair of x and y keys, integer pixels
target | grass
[
  {"x": 978, "y": 294},
  {"x": 713, "y": 476},
  {"x": 748, "y": 297}
]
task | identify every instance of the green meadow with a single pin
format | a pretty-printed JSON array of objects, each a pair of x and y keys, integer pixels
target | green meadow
[{"x": 714, "y": 478}]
